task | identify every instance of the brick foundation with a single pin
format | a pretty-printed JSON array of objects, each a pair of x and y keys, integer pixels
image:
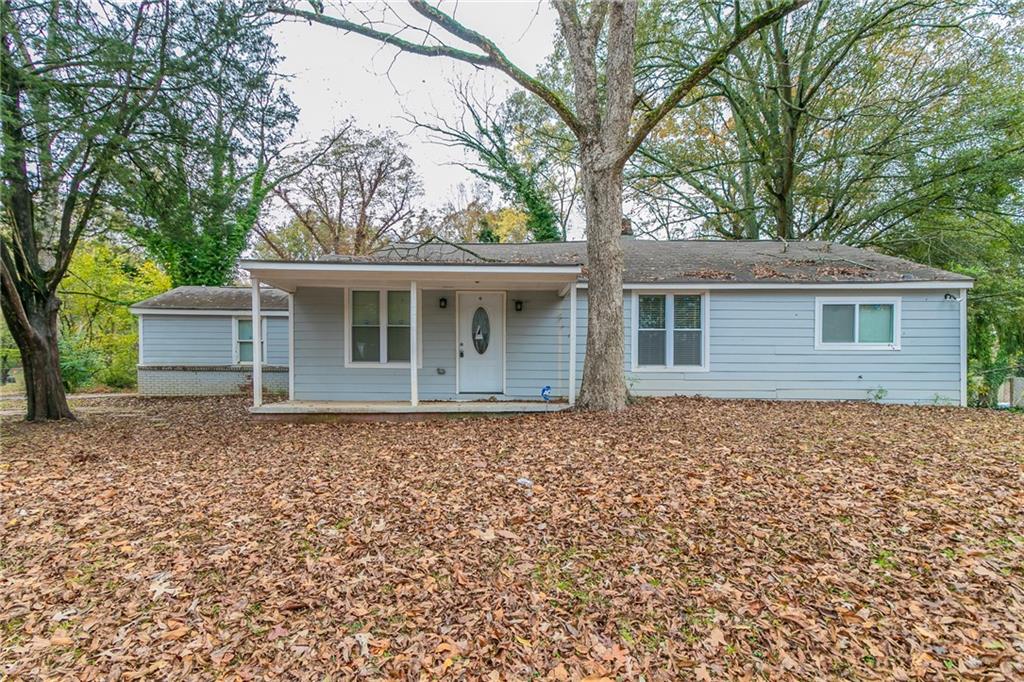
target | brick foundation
[{"x": 214, "y": 380}]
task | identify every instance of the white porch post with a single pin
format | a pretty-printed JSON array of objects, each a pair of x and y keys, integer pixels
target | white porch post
[
  {"x": 257, "y": 346},
  {"x": 414, "y": 394},
  {"x": 963, "y": 351},
  {"x": 572, "y": 344},
  {"x": 291, "y": 346}
]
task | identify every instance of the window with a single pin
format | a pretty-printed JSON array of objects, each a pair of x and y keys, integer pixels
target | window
[
  {"x": 379, "y": 326},
  {"x": 244, "y": 340},
  {"x": 857, "y": 324},
  {"x": 398, "y": 326},
  {"x": 365, "y": 326},
  {"x": 670, "y": 331}
]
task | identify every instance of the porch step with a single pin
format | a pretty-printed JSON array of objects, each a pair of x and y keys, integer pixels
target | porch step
[{"x": 384, "y": 410}]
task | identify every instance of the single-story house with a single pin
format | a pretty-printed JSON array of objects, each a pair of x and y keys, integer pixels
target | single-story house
[{"x": 430, "y": 327}]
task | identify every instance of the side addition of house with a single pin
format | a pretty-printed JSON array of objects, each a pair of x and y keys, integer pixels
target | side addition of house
[{"x": 200, "y": 341}]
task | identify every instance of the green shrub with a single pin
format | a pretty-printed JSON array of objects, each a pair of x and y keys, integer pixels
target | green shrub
[
  {"x": 121, "y": 357},
  {"x": 78, "y": 364}
]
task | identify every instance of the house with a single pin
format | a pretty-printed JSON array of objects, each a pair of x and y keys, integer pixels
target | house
[{"x": 429, "y": 327}]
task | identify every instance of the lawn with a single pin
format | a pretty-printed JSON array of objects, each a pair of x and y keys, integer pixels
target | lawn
[{"x": 682, "y": 538}]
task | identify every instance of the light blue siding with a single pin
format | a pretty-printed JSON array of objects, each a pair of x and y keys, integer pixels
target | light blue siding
[
  {"x": 277, "y": 340},
  {"x": 536, "y": 342},
  {"x": 203, "y": 340},
  {"x": 186, "y": 340},
  {"x": 761, "y": 346},
  {"x": 320, "y": 371}
]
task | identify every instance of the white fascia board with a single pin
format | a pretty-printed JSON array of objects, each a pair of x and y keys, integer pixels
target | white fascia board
[
  {"x": 439, "y": 268},
  {"x": 706, "y": 286},
  {"x": 241, "y": 312}
]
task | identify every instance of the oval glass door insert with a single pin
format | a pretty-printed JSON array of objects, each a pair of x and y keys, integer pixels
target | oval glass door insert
[{"x": 481, "y": 330}]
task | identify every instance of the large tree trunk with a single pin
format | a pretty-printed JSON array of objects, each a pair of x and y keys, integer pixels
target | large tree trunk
[
  {"x": 36, "y": 336},
  {"x": 604, "y": 381}
]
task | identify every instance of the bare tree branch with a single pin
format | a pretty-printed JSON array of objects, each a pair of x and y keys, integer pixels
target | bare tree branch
[
  {"x": 493, "y": 57},
  {"x": 710, "y": 63}
]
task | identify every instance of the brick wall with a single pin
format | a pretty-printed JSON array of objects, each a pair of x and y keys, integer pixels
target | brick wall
[{"x": 219, "y": 380}]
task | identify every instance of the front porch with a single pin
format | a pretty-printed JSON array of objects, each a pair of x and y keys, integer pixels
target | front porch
[{"x": 415, "y": 339}]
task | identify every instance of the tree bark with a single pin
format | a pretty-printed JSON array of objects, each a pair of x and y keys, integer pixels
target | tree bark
[
  {"x": 604, "y": 382},
  {"x": 36, "y": 334}
]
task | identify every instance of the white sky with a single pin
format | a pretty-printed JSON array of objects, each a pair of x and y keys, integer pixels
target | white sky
[{"x": 338, "y": 75}]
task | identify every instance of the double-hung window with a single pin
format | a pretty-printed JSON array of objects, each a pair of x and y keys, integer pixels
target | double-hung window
[
  {"x": 244, "y": 341},
  {"x": 670, "y": 331},
  {"x": 379, "y": 327},
  {"x": 857, "y": 323}
]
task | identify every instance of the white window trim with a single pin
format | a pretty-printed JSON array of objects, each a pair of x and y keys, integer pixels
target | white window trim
[
  {"x": 897, "y": 316},
  {"x": 235, "y": 339},
  {"x": 634, "y": 328},
  {"x": 383, "y": 311}
]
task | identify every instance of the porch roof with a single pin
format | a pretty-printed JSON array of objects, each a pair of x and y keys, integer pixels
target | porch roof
[{"x": 289, "y": 275}]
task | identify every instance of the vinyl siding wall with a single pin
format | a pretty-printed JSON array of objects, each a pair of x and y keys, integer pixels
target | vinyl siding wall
[
  {"x": 762, "y": 346},
  {"x": 536, "y": 345},
  {"x": 203, "y": 340}
]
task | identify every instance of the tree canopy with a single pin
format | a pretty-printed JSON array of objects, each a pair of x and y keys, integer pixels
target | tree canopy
[{"x": 196, "y": 191}]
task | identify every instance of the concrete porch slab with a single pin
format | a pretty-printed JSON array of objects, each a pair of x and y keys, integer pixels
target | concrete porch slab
[{"x": 384, "y": 410}]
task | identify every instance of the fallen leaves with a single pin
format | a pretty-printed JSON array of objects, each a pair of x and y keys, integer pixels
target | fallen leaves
[{"x": 683, "y": 538}]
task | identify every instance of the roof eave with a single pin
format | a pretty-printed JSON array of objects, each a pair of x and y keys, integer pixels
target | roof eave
[{"x": 788, "y": 284}]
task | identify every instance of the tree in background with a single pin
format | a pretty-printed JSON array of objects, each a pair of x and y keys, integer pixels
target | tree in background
[
  {"x": 839, "y": 122},
  {"x": 898, "y": 126},
  {"x": 290, "y": 240},
  {"x": 104, "y": 278},
  {"x": 988, "y": 246},
  {"x": 197, "y": 190},
  {"x": 603, "y": 111},
  {"x": 485, "y": 131},
  {"x": 78, "y": 80},
  {"x": 353, "y": 197},
  {"x": 471, "y": 216}
]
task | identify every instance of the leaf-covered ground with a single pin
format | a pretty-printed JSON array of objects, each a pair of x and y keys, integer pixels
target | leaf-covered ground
[{"x": 683, "y": 538}]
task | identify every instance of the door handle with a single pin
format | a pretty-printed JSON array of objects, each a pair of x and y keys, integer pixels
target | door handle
[{"x": 461, "y": 353}]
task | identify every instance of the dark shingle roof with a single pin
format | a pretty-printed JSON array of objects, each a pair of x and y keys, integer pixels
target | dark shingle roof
[
  {"x": 214, "y": 298},
  {"x": 679, "y": 262}
]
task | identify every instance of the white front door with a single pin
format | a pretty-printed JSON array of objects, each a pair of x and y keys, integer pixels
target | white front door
[{"x": 481, "y": 342}]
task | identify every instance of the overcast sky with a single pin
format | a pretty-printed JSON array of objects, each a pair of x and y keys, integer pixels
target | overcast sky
[{"x": 338, "y": 75}]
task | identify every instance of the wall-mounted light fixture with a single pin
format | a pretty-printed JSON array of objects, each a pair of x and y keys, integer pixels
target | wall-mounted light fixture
[
  {"x": 443, "y": 302},
  {"x": 519, "y": 306}
]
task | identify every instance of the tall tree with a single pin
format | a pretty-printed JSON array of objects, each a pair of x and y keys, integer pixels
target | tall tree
[
  {"x": 197, "y": 190},
  {"x": 353, "y": 196},
  {"x": 604, "y": 114},
  {"x": 78, "y": 79}
]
